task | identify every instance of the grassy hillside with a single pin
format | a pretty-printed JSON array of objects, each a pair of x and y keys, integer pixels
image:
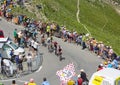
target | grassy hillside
[
  {"x": 101, "y": 19},
  {"x": 19, "y": 10}
]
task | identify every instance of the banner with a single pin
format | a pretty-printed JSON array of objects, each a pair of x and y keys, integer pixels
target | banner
[{"x": 66, "y": 73}]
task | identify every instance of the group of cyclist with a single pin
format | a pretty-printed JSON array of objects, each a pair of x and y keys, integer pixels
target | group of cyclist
[{"x": 53, "y": 46}]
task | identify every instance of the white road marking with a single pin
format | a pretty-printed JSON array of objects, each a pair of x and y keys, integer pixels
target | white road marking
[{"x": 39, "y": 69}]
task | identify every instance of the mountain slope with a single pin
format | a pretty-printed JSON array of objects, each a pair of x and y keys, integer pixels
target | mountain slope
[{"x": 100, "y": 18}]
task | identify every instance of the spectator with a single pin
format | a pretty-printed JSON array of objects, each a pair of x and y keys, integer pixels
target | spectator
[
  {"x": 17, "y": 60},
  {"x": 43, "y": 40},
  {"x": 109, "y": 64},
  {"x": 48, "y": 42},
  {"x": 13, "y": 82},
  {"x": 45, "y": 82},
  {"x": 20, "y": 35},
  {"x": 26, "y": 83},
  {"x": 84, "y": 76},
  {"x": 15, "y": 35},
  {"x": 12, "y": 55},
  {"x": 31, "y": 82},
  {"x": 29, "y": 61},
  {"x": 79, "y": 80},
  {"x": 83, "y": 41},
  {"x": 100, "y": 67},
  {"x": 71, "y": 82},
  {"x": 31, "y": 42},
  {"x": 79, "y": 39},
  {"x": 115, "y": 63},
  {"x": 35, "y": 46},
  {"x": 20, "y": 63},
  {"x": 48, "y": 30}
]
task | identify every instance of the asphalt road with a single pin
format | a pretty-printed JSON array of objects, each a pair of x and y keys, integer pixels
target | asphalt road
[{"x": 82, "y": 59}]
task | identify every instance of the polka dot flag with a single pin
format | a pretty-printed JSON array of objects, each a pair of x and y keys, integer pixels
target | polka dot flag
[{"x": 66, "y": 73}]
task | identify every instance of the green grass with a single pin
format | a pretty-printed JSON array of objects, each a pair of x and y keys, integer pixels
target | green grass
[
  {"x": 19, "y": 10},
  {"x": 101, "y": 19}
]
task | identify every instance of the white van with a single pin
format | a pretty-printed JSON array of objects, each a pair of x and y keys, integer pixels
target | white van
[{"x": 106, "y": 76}]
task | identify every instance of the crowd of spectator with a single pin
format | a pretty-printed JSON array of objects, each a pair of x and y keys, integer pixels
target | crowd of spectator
[{"x": 22, "y": 37}]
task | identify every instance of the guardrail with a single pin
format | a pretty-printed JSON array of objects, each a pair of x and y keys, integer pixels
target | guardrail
[{"x": 36, "y": 63}]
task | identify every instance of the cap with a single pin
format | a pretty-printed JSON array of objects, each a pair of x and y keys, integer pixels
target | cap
[
  {"x": 31, "y": 80},
  {"x": 110, "y": 47},
  {"x": 79, "y": 76},
  {"x": 82, "y": 70},
  {"x": 101, "y": 65},
  {"x": 26, "y": 83}
]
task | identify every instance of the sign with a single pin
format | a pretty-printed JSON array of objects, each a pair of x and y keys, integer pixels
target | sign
[
  {"x": 97, "y": 80},
  {"x": 66, "y": 73}
]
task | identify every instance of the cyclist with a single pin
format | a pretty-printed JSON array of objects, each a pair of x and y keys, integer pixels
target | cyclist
[
  {"x": 55, "y": 47},
  {"x": 60, "y": 52}
]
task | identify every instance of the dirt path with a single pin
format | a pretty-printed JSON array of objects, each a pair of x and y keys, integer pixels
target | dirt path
[
  {"x": 77, "y": 16},
  {"x": 78, "y": 11}
]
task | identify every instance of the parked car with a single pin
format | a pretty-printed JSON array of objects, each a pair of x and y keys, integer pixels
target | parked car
[
  {"x": 9, "y": 45},
  {"x": 1, "y": 34}
]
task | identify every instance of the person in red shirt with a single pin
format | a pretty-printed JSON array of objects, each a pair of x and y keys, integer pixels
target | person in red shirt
[
  {"x": 100, "y": 67},
  {"x": 79, "y": 80}
]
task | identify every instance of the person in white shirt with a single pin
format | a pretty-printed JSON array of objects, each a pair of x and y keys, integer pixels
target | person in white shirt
[
  {"x": 29, "y": 61},
  {"x": 35, "y": 45},
  {"x": 32, "y": 43}
]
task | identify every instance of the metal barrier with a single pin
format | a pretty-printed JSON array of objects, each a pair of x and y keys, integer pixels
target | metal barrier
[{"x": 36, "y": 63}]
